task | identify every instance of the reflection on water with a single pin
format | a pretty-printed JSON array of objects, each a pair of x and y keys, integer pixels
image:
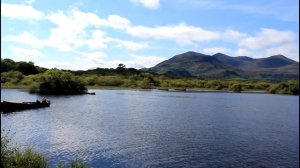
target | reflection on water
[{"x": 134, "y": 128}]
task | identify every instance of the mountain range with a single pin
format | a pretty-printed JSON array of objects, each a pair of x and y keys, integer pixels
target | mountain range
[{"x": 221, "y": 66}]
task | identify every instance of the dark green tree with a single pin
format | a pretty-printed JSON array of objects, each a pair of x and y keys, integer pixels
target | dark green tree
[
  {"x": 27, "y": 68},
  {"x": 58, "y": 82},
  {"x": 7, "y": 65}
]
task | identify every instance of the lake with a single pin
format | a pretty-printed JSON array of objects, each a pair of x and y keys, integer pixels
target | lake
[{"x": 136, "y": 128}]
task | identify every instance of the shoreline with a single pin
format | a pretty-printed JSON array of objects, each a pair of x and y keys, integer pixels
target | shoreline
[{"x": 188, "y": 90}]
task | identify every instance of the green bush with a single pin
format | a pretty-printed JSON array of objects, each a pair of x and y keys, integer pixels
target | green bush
[
  {"x": 6, "y": 152},
  {"x": 286, "y": 87},
  {"x": 34, "y": 88},
  {"x": 261, "y": 85},
  {"x": 90, "y": 80},
  {"x": 130, "y": 83},
  {"x": 15, "y": 158},
  {"x": 58, "y": 82},
  {"x": 26, "y": 159},
  {"x": 236, "y": 87},
  {"x": 109, "y": 81},
  {"x": 146, "y": 83},
  {"x": 12, "y": 77},
  {"x": 30, "y": 79}
]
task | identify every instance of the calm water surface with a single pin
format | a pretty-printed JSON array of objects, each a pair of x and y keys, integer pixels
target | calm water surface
[{"x": 132, "y": 128}]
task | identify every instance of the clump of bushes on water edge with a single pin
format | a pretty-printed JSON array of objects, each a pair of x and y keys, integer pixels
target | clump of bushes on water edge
[
  {"x": 15, "y": 158},
  {"x": 58, "y": 82},
  {"x": 287, "y": 87},
  {"x": 236, "y": 87}
]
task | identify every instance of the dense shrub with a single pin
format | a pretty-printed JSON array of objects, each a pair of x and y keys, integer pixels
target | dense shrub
[
  {"x": 7, "y": 65},
  {"x": 109, "y": 81},
  {"x": 214, "y": 84},
  {"x": 286, "y": 87},
  {"x": 5, "y": 150},
  {"x": 146, "y": 84},
  {"x": 11, "y": 76},
  {"x": 30, "y": 80},
  {"x": 26, "y": 159},
  {"x": 58, "y": 82},
  {"x": 26, "y": 68},
  {"x": 236, "y": 87},
  {"x": 15, "y": 158}
]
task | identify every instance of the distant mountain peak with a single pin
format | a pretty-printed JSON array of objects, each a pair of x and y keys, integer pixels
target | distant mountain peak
[
  {"x": 191, "y": 52},
  {"x": 222, "y": 66},
  {"x": 280, "y": 56},
  {"x": 219, "y": 54}
]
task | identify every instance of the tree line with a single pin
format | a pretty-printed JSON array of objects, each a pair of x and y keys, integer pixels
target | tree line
[{"x": 38, "y": 79}]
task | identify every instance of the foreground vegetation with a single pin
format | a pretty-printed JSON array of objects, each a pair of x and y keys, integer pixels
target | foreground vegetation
[
  {"x": 55, "y": 81},
  {"x": 12, "y": 157}
]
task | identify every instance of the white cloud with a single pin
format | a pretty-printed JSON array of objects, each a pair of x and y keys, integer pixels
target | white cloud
[
  {"x": 215, "y": 50},
  {"x": 26, "y": 38},
  {"x": 151, "y": 4},
  {"x": 98, "y": 40},
  {"x": 93, "y": 56},
  {"x": 243, "y": 52},
  {"x": 278, "y": 8},
  {"x": 144, "y": 61},
  {"x": 94, "y": 60},
  {"x": 29, "y": 2},
  {"x": 183, "y": 34},
  {"x": 135, "y": 62},
  {"x": 233, "y": 35},
  {"x": 59, "y": 65},
  {"x": 290, "y": 50},
  {"x": 268, "y": 42},
  {"x": 88, "y": 60},
  {"x": 267, "y": 38},
  {"x": 118, "y": 22},
  {"x": 131, "y": 45},
  {"x": 26, "y": 54},
  {"x": 23, "y": 12},
  {"x": 74, "y": 29},
  {"x": 70, "y": 31}
]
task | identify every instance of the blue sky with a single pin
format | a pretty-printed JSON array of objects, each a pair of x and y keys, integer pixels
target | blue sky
[{"x": 85, "y": 34}]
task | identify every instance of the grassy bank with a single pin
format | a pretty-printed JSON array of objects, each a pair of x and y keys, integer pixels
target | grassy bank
[{"x": 12, "y": 157}]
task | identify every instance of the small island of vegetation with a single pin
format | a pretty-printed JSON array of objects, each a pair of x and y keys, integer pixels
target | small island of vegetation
[{"x": 57, "y": 82}]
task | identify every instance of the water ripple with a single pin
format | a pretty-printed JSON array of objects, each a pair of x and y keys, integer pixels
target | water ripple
[{"x": 121, "y": 128}]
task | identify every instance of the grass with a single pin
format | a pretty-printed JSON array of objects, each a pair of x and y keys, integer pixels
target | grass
[
  {"x": 15, "y": 158},
  {"x": 26, "y": 159}
]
